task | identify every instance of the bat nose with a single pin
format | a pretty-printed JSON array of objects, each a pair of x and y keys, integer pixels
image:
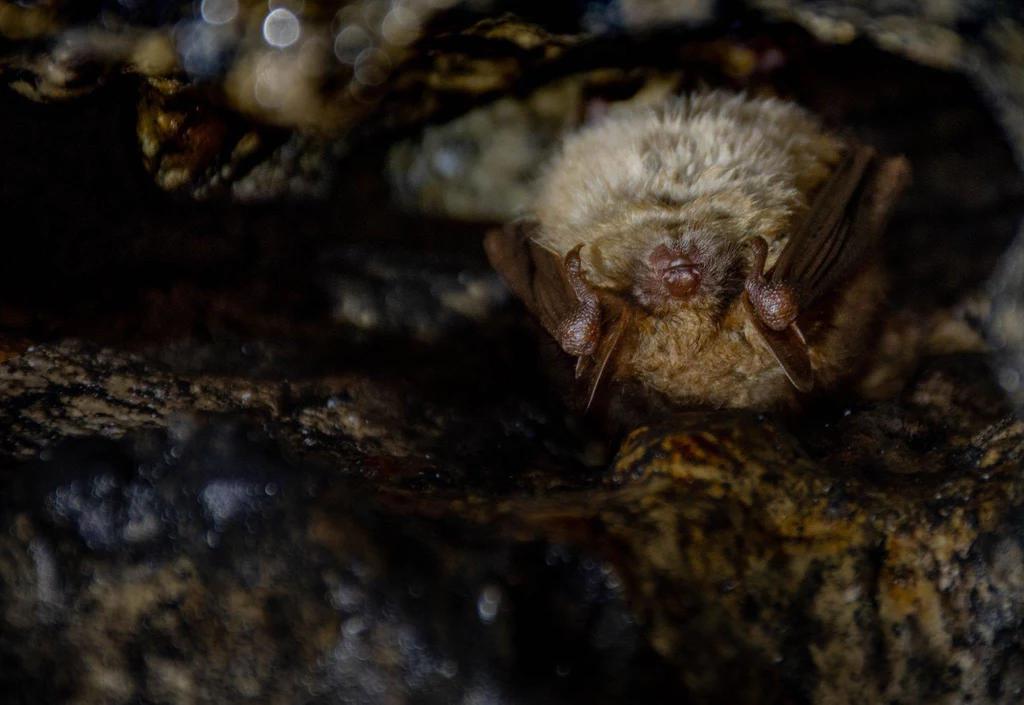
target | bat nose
[
  {"x": 677, "y": 271},
  {"x": 681, "y": 280}
]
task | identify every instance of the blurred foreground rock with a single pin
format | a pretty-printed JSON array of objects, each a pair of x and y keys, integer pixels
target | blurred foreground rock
[
  {"x": 196, "y": 567},
  {"x": 715, "y": 559}
]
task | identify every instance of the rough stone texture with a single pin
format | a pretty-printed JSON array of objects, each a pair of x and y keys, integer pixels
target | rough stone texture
[
  {"x": 341, "y": 70},
  {"x": 214, "y": 573},
  {"x": 870, "y": 574},
  {"x": 802, "y": 570},
  {"x": 309, "y": 453},
  {"x": 360, "y": 422}
]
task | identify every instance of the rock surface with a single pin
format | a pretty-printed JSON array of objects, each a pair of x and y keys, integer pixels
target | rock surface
[
  {"x": 226, "y": 86},
  {"x": 718, "y": 549},
  {"x": 308, "y": 452},
  {"x": 194, "y": 566}
]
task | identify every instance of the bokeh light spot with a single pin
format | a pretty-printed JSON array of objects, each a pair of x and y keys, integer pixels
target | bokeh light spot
[
  {"x": 219, "y": 11},
  {"x": 281, "y": 28},
  {"x": 350, "y": 43}
]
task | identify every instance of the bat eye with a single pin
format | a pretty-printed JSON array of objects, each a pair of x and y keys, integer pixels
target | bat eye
[{"x": 678, "y": 272}]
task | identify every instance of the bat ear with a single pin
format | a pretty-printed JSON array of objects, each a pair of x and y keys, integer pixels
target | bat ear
[{"x": 789, "y": 349}]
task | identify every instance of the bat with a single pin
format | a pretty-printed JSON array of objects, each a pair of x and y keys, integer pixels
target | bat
[{"x": 719, "y": 251}]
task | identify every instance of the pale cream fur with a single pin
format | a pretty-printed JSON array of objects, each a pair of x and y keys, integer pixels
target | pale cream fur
[{"x": 708, "y": 171}]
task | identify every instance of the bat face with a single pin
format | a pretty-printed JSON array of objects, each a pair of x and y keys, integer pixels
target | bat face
[
  {"x": 692, "y": 269},
  {"x": 671, "y": 266},
  {"x": 717, "y": 251}
]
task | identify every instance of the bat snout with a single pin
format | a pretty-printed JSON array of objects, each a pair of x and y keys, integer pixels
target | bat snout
[
  {"x": 679, "y": 273},
  {"x": 681, "y": 281}
]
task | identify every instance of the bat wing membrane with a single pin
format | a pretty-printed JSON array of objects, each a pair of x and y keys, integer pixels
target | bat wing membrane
[
  {"x": 842, "y": 227},
  {"x": 538, "y": 278}
]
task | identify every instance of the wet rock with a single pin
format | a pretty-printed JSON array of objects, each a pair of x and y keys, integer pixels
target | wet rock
[
  {"x": 982, "y": 40},
  {"x": 194, "y": 564},
  {"x": 780, "y": 562},
  {"x": 394, "y": 293},
  {"x": 341, "y": 71},
  {"x": 719, "y": 556},
  {"x": 363, "y": 423},
  {"x": 323, "y": 66},
  {"x": 191, "y": 145},
  {"x": 816, "y": 582}
]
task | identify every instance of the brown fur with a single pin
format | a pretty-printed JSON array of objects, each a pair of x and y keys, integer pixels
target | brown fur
[{"x": 703, "y": 175}]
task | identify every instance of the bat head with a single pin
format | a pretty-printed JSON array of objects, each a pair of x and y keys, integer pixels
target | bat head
[{"x": 675, "y": 267}]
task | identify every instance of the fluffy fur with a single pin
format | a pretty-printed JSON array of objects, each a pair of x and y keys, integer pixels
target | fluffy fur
[{"x": 703, "y": 174}]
